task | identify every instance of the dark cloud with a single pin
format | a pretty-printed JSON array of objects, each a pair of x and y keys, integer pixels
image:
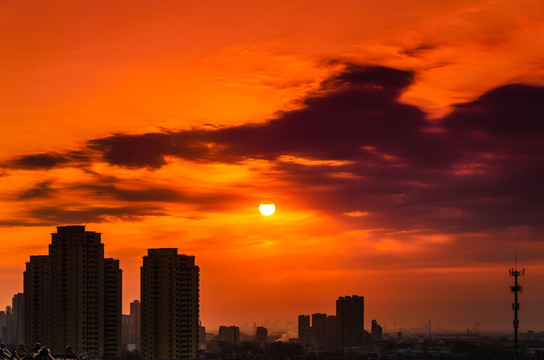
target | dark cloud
[
  {"x": 153, "y": 194},
  {"x": 36, "y": 215},
  {"x": 40, "y": 161},
  {"x": 23, "y": 223},
  {"x": 48, "y": 160},
  {"x": 482, "y": 171},
  {"x": 479, "y": 168},
  {"x": 134, "y": 151},
  {"x": 418, "y": 51},
  {"x": 51, "y": 215},
  {"x": 509, "y": 110},
  {"x": 149, "y": 150},
  {"x": 354, "y": 108},
  {"x": 138, "y": 195},
  {"x": 139, "y": 191},
  {"x": 41, "y": 190},
  {"x": 376, "y": 79}
]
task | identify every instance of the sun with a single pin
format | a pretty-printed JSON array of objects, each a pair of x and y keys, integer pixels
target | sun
[{"x": 267, "y": 208}]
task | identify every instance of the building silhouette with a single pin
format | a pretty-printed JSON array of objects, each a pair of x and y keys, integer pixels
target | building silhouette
[
  {"x": 4, "y": 320},
  {"x": 319, "y": 331},
  {"x": 376, "y": 331},
  {"x": 202, "y": 337},
  {"x": 12, "y": 335},
  {"x": 229, "y": 334},
  {"x": 73, "y": 295},
  {"x": 128, "y": 336},
  {"x": 261, "y": 335},
  {"x": 131, "y": 328},
  {"x": 11, "y": 326},
  {"x": 169, "y": 297},
  {"x": 304, "y": 330},
  {"x": 37, "y": 294},
  {"x": 135, "y": 313},
  {"x": 333, "y": 334},
  {"x": 350, "y": 314},
  {"x": 322, "y": 335}
]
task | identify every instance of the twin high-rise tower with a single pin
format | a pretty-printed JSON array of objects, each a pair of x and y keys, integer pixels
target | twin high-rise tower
[{"x": 72, "y": 296}]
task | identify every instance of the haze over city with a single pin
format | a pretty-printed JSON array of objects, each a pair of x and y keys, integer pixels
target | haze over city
[{"x": 401, "y": 143}]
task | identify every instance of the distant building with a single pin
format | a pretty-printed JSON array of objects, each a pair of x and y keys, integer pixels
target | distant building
[
  {"x": 11, "y": 326},
  {"x": 261, "y": 335},
  {"x": 319, "y": 331},
  {"x": 169, "y": 305},
  {"x": 4, "y": 315},
  {"x": 304, "y": 330},
  {"x": 128, "y": 333},
  {"x": 37, "y": 293},
  {"x": 350, "y": 313},
  {"x": 376, "y": 331},
  {"x": 333, "y": 334},
  {"x": 229, "y": 334},
  {"x": 73, "y": 295},
  {"x": 131, "y": 328},
  {"x": 211, "y": 345},
  {"x": 135, "y": 307},
  {"x": 112, "y": 310},
  {"x": 17, "y": 326},
  {"x": 202, "y": 337}
]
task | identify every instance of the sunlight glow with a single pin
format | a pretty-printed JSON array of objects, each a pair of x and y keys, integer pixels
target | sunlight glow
[{"x": 267, "y": 208}]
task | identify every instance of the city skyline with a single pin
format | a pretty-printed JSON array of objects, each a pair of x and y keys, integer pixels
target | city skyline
[
  {"x": 401, "y": 143},
  {"x": 38, "y": 272}
]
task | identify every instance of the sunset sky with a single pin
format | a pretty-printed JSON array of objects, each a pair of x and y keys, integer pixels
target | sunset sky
[{"x": 401, "y": 141}]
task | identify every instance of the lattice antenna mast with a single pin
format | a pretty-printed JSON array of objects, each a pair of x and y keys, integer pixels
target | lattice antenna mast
[{"x": 516, "y": 289}]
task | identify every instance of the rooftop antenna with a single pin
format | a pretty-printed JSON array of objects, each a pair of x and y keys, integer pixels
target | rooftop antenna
[{"x": 515, "y": 306}]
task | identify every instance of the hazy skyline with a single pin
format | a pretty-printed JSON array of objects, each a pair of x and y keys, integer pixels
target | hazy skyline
[{"x": 402, "y": 143}]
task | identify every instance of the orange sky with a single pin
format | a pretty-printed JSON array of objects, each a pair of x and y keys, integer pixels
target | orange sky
[{"x": 132, "y": 119}]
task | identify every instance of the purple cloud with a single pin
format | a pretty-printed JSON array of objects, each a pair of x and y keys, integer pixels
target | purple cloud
[{"x": 479, "y": 168}]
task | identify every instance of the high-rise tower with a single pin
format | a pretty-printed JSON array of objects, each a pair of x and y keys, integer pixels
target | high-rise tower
[
  {"x": 304, "y": 330},
  {"x": 350, "y": 314},
  {"x": 73, "y": 295},
  {"x": 319, "y": 331},
  {"x": 131, "y": 327},
  {"x": 135, "y": 313},
  {"x": 37, "y": 300},
  {"x": 169, "y": 297},
  {"x": 17, "y": 326}
]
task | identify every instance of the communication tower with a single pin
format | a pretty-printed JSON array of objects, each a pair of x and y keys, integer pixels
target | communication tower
[{"x": 515, "y": 306}]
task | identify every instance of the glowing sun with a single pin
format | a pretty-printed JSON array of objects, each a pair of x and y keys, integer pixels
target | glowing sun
[{"x": 267, "y": 208}]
